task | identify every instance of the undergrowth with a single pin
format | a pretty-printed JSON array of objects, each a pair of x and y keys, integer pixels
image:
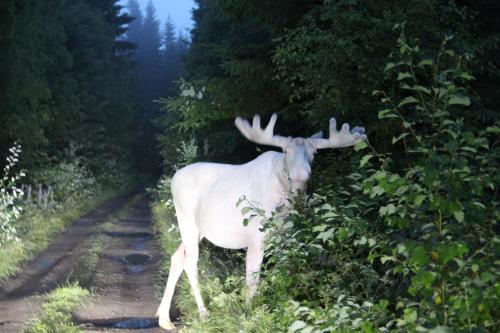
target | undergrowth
[
  {"x": 28, "y": 224},
  {"x": 56, "y": 311}
]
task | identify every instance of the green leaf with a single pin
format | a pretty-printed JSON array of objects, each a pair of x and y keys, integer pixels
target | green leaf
[
  {"x": 365, "y": 160},
  {"x": 320, "y": 228},
  {"x": 297, "y": 325},
  {"x": 385, "y": 259},
  {"x": 493, "y": 129},
  {"x": 421, "y": 283},
  {"x": 360, "y": 145},
  {"x": 245, "y": 210},
  {"x": 421, "y": 88},
  {"x": 459, "y": 100},
  {"x": 389, "y": 66},
  {"x": 325, "y": 235},
  {"x": 408, "y": 100},
  {"x": 419, "y": 199},
  {"x": 404, "y": 75},
  {"x": 459, "y": 215},
  {"x": 387, "y": 113},
  {"x": 425, "y": 62},
  {"x": 451, "y": 251},
  {"x": 419, "y": 256},
  {"x": 240, "y": 200},
  {"x": 410, "y": 315},
  {"x": 396, "y": 139},
  {"x": 387, "y": 210},
  {"x": 467, "y": 76}
]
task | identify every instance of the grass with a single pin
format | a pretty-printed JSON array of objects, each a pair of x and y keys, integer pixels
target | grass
[
  {"x": 56, "y": 311},
  {"x": 41, "y": 226},
  {"x": 221, "y": 283}
]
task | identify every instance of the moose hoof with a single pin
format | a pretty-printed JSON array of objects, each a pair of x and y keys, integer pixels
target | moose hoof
[{"x": 166, "y": 324}]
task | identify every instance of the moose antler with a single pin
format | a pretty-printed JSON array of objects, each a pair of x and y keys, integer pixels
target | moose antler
[
  {"x": 344, "y": 138},
  {"x": 258, "y": 135}
]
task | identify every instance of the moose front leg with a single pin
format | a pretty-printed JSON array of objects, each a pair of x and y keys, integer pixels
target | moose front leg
[{"x": 255, "y": 255}]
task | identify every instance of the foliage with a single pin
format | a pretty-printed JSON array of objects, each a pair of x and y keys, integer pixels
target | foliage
[
  {"x": 407, "y": 243},
  {"x": 314, "y": 60},
  {"x": 75, "y": 91},
  {"x": 56, "y": 311},
  {"x": 29, "y": 224},
  {"x": 445, "y": 202},
  {"x": 9, "y": 194}
]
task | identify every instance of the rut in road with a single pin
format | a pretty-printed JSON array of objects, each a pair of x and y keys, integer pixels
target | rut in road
[
  {"x": 124, "y": 283},
  {"x": 121, "y": 279}
]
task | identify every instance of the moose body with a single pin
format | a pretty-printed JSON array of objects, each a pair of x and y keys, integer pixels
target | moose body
[
  {"x": 205, "y": 197},
  {"x": 207, "y": 192}
]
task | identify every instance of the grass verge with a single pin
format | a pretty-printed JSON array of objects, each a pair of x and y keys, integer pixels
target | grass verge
[
  {"x": 56, "y": 311},
  {"x": 41, "y": 226}
]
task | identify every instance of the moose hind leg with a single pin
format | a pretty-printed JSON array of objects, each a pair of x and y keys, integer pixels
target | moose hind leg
[
  {"x": 176, "y": 268},
  {"x": 191, "y": 268}
]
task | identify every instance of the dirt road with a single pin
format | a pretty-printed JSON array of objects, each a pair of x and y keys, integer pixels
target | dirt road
[{"x": 118, "y": 261}]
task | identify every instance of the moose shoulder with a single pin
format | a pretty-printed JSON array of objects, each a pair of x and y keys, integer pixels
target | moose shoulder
[{"x": 205, "y": 196}]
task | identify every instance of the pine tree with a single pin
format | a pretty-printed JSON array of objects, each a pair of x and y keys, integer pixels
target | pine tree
[
  {"x": 169, "y": 39},
  {"x": 169, "y": 56},
  {"x": 134, "y": 32},
  {"x": 64, "y": 81},
  {"x": 145, "y": 34}
]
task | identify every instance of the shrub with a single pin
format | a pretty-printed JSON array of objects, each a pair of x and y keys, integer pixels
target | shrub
[
  {"x": 411, "y": 244},
  {"x": 10, "y": 210}
]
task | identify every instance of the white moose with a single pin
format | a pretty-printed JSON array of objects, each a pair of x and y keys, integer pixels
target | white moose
[{"x": 205, "y": 196}]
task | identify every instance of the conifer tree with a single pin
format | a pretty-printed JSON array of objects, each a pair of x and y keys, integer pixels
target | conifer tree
[
  {"x": 135, "y": 27},
  {"x": 145, "y": 34}
]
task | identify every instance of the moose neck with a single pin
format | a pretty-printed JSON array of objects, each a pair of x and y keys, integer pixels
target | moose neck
[
  {"x": 287, "y": 185},
  {"x": 282, "y": 174}
]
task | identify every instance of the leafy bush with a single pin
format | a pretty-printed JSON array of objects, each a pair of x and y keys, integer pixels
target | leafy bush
[
  {"x": 412, "y": 243},
  {"x": 72, "y": 182}
]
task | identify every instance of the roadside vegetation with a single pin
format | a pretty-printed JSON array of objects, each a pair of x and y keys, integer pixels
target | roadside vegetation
[
  {"x": 56, "y": 311},
  {"x": 31, "y": 217}
]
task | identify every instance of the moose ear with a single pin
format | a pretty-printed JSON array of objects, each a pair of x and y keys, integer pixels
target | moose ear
[{"x": 318, "y": 135}]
